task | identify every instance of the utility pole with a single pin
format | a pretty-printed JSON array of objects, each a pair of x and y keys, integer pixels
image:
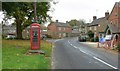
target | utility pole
[{"x": 35, "y": 16}]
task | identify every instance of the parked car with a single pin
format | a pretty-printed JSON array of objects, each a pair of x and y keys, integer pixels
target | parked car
[
  {"x": 43, "y": 37},
  {"x": 10, "y": 36},
  {"x": 82, "y": 38}
]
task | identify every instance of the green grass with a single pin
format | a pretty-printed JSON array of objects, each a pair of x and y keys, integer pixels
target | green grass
[
  {"x": 14, "y": 55},
  {"x": 0, "y": 53}
]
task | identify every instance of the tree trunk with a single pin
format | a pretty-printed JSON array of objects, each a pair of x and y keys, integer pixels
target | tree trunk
[{"x": 19, "y": 29}]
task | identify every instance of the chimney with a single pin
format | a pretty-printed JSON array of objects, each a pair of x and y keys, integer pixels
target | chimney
[
  {"x": 57, "y": 21},
  {"x": 94, "y": 18},
  {"x": 107, "y": 15},
  {"x": 66, "y": 21}
]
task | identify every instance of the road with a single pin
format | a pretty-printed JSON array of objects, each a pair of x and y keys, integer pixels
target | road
[{"x": 68, "y": 53}]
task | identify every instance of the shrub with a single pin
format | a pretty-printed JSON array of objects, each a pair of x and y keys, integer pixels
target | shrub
[
  {"x": 96, "y": 39},
  {"x": 92, "y": 39},
  {"x": 48, "y": 36},
  {"x": 118, "y": 47},
  {"x": 90, "y": 34}
]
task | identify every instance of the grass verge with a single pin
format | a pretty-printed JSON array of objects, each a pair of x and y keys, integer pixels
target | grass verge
[{"x": 14, "y": 57}]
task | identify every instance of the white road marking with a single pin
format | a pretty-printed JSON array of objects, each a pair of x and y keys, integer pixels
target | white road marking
[
  {"x": 94, "y": 57},
  {"x": 69, "y": 42},
  {"x": 82, "y": 51},
  {"x": 72, "y": 45},
  {"x": 104, "y": 62},
  {"x": 58, "y": 40},
  {"x": 75, "y": 47}
]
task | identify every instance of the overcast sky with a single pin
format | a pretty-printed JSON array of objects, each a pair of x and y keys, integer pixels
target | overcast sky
[{"x": 65, "y": 10}]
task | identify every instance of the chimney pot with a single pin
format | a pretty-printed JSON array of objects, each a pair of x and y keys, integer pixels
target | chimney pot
[
  {"x": 106, "y": 15},
  {"x": 56, "y": 20},
  {"x": 66, "y": 21},
  {"x": 94, "y": 18}
]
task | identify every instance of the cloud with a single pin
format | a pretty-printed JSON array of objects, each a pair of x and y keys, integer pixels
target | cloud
[{"x": 85, "y": 9}]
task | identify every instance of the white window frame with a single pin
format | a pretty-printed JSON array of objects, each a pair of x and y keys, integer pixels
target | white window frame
[
  {"x": 60, "y": 34},
  {"x": 59, "y": 28},
  {"x": 90, "y": 28},
  {"x": 95, "y": 28},
  {"x": 64, "y": 34},
  {"x": 111, "y": 22},
  {"x": 64, "y": 29}
]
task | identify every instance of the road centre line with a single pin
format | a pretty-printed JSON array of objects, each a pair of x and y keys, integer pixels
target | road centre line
[
  {"x": 94, "y": 57},
  {"x": 74, "y": 46},
  {"x": 104, "y": 62},
  {"x": 82, "y": 51}
]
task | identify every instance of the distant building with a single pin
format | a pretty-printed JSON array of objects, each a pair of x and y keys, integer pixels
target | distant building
[
  {"x": 8, "y": 29},
  {"x": 75, "y": 31},
  {"x": 59, "y": 29},
  {"x": 26, "y": 31}
]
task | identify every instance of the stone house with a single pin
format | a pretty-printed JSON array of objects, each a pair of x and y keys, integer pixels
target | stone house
[
  {"x": 82, "y": 29},
  {"x": 97, "y": 26},
  {"x": 75, "y": 31},
  {"x": 79, "y": 30},
  {"x": 59, "y": 29}
]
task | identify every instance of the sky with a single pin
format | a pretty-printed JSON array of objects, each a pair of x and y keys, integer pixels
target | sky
[{"x": 65, "y": 10}]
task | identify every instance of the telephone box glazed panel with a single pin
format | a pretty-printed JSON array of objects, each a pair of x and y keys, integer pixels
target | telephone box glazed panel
[{"x": 35, "y": 36}]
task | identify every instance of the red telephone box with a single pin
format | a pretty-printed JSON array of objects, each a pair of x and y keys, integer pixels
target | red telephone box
[{"x": 35, "y": 36}]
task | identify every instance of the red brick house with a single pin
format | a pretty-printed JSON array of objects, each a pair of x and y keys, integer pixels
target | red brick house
[
  {"x": 59, "y": 29},
  {"x": 113, "y": 27}
]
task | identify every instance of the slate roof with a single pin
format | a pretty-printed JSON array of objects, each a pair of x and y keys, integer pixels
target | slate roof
[
  {"x": 61, "y": 24},
  {"x": 75, "y": 27},
  {"x": 118, "y": 4},
  {"x": 113, "y": 28},
  {"x": 97, "y": 21}
]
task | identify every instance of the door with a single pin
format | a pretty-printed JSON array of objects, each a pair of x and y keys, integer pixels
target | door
[{"x": 35, "y": 38}]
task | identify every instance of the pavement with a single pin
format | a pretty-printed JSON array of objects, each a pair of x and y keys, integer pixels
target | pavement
[
  {"x": 68, "y": 53},
  {"x": 95, "y": 45},
  {"x": 92, "y": 44}
]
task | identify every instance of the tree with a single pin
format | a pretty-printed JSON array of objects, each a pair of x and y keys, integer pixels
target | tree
[
  {"x": 23, "y": 12},
  {"x": 75, "y": 22},
  {"x": 82, "y": 21},
  {"x": 90, "y": 34}
]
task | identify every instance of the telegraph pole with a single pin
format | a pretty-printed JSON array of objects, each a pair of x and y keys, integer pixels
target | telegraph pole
[{"x": 35, "y": 16}]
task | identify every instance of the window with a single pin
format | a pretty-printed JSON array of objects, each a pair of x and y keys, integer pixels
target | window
[
  {"x": 111, "y": 22},
  {"x": 64, "y": 28},
  {"x": 95, "y": 28},
  {"x": 59, "y": 34},
  {"x": 59, "y": 28},
  {"x": 64, "y": 34},
  {"x": 90, "y": 28},
  {"x": 116, "y": 14}
]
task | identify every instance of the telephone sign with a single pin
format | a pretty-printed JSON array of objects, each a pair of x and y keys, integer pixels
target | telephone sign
[{"x": 35, "y": 36}]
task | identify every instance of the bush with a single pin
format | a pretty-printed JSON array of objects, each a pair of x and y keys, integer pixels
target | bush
[
  {"x": 96, "y": 39},
  {"x": 118, "y": 47},
  {"x": 92, "y": 39},
  {"x": 48, "y": 36},
  {"x": 90, "y": 34}
]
